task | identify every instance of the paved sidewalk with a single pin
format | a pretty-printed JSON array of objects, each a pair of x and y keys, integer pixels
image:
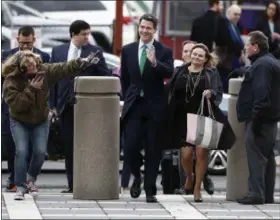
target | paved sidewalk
[{"x": 51, "y": 204}]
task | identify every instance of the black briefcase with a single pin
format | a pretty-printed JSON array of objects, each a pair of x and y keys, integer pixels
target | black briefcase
[{"x": 170, "y": 171}]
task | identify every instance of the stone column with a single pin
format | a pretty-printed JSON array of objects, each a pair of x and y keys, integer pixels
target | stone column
[
  {"x": 96, "y": 138},
  {"x": 237, "y": 168}
]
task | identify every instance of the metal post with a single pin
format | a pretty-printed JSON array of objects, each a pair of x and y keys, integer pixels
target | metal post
[
  {"x": 237, "y": 168},
  {"x": 118, "y": 28}
]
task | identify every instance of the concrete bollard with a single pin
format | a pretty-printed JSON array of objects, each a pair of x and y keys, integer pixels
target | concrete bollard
[
  {"x": 96, "y": 138},
  {"x": 237, "y": 168}
]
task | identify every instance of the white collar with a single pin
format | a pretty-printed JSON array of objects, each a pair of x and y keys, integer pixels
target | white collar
[
  {"x": 72, "y": 45},
  {"x": 149, "y": 45}
]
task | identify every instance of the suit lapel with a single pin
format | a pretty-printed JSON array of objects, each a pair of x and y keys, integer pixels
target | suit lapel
[
  {"x": 64, "y": 52},
  {"x": 135, "y": 58},
  {"x": 84, "y": 52}
]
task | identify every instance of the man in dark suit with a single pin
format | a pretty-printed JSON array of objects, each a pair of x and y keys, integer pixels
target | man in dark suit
[
  {"x": 78, "y": 47},
  {"x": 144, "y": 66},
  {"x": 205, "y": 27},
  {"x": 229, "y": 48},
  {"x": 26, "y": 39}
]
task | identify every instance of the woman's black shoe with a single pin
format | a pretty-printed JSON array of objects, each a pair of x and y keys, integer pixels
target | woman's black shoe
[{"x": 198, "y": 199}]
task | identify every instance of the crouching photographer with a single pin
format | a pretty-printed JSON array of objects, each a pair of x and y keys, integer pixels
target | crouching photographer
[{"x": 26, "y": 92}]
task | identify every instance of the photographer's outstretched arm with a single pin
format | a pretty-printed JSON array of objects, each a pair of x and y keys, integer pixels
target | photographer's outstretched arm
[
  {"x": 58, "y": 71},
  {"x": 20, "y": 100}
]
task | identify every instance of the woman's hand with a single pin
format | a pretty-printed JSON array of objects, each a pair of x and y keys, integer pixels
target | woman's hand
[
  {"x": 207, "y": 93},
  {"x": 275, "y": 36},
  {"x": 37, "y": 82},
  {"x": 91, "y": 59}
]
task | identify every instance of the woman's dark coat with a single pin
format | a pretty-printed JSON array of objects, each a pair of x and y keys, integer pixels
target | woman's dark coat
[{"x": 212, "y": 83}]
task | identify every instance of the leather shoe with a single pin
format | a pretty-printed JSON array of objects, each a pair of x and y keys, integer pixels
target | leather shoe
[
  {"x": 135, "y": 189},
  {"x": 68, "y": 190},
  {"x": 250, "y": 200},
  {"x": 208, "y": 185},
  {"x": 151, "y": 199}
]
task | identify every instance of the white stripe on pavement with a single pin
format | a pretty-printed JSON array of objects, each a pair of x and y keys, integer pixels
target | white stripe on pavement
[
  {"x": 25, "y": 209},
  {"x": 179, "y": 208}
]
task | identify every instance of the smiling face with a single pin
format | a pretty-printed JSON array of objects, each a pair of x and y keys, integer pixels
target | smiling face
[
  {"x": 186, "y": 53},
  {"x": 198, "y": 57},
  {"x": 146, "y": 31}
]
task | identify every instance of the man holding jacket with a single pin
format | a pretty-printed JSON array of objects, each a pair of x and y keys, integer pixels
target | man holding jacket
[{"x": 258, "y": 106}]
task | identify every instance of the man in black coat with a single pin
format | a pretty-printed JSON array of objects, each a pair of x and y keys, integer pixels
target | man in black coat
[
  {"x": 258, "y": 106},
  {"x": 144, "y": 66},
  {"x": 205, "y": 28}
]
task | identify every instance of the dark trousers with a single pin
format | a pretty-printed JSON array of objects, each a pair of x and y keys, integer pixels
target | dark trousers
[
  {"x": 261, "y": 160},
  {"x": 138, "y": 127},
  {"x": 7, "y": 142},
  {"x": 68, "y": 141}
]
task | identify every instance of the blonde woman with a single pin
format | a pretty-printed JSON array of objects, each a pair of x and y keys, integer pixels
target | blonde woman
[
  {"x": 191, "y": 81},
  {"x": 25, "y": 90}
]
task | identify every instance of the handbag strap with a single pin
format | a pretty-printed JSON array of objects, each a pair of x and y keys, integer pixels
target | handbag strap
[
  {"x": 201, "y": 107},
  {"x": 210, "y": 109},
  {"x": 209, "y": 106}
]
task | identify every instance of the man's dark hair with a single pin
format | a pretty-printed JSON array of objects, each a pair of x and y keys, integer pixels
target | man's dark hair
[
  {"x": 26, "y": 31},
  {"x": 211, "y": 3},
  {"x": 77, "y": 26},
  {"x": 151, "y": 18},
  {"x": 259, "y": 38}
]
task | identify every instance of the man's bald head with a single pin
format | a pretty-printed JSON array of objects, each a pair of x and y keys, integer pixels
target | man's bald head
[{"x": 234, "y": 13}]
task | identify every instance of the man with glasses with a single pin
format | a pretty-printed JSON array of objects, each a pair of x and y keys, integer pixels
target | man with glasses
[{"x": 26, "y": 39}]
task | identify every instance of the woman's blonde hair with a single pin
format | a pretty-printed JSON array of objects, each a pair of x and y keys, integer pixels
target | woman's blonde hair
[
  {"x": 215, "y": 60},
  {"x": 16, "y": 62}
]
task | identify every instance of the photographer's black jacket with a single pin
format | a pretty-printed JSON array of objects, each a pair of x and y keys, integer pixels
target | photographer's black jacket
[{"x": 259, "y": 97}]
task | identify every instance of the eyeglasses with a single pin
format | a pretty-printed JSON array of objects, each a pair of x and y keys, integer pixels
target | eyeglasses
[{"x": 25, "y": 43}]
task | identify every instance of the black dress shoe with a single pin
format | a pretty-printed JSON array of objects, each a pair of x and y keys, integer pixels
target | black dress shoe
[
  {"x": 135, "y": 190},
  {"x": 250, "y": 200},
  {"x": 208, "y": 185},
  {"x": 269, "y": 201},
  {"x": 68, "y": 190},
  {"x": 151, "y": 199}
]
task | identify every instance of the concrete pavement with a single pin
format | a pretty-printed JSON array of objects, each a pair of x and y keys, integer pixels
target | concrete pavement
[{"x": 50, "y": 204}]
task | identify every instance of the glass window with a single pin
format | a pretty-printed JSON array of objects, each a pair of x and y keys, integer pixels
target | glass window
[
  {"x": 5, "y": 43},
  {"x": 180, "y": 15},
  {"x": 17, "y": 10},
  {"x": 52, "y": 6},
  {"x": 252, "y": 12}
]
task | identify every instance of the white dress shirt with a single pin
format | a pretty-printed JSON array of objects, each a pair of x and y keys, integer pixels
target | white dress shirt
[
  {"x": 74, "y": 52},
  {"x": 140, "y": 48}
]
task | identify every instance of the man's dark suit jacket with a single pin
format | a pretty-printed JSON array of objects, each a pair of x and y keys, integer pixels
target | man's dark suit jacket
[
  {"x": 205, "y": 29},
  {"x": 65, "y": 87},
  {"x": 151, "y": 82},
  {"x": 5, "y": 54},
  {"x": 274, "y": 46}
]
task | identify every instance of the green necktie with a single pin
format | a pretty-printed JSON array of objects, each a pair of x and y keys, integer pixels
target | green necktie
[{"x": 143, "y": 58}]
